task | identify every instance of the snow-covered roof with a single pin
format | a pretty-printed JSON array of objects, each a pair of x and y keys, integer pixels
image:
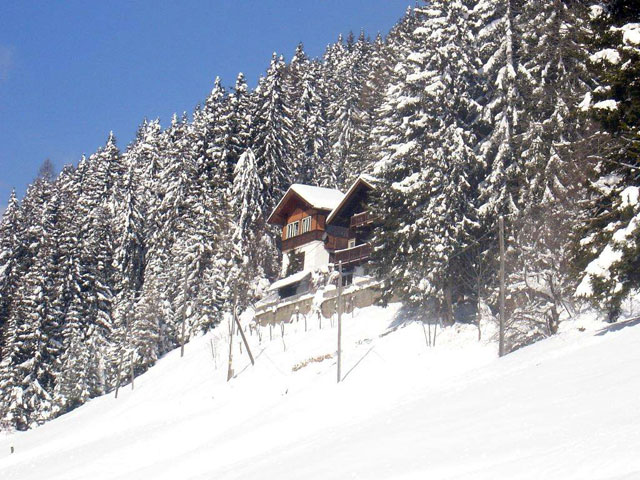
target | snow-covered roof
[
  {"x": 290, "y": 280},
  {"x": 367, "y": 180},
  {"x": 317, "y": 197}
]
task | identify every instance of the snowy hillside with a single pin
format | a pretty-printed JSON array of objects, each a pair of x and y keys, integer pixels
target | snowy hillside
[{"x": 563, "y": 408}]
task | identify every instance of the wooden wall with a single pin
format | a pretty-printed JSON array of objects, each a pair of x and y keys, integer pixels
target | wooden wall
[{"x": 317, "y": 220}]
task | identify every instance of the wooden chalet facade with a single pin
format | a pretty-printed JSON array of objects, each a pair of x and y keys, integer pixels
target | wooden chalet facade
[
  {"x": 320, "y": 227},
  {"x": 352, "y": 224},
  {"x": 302, "y": 214}
]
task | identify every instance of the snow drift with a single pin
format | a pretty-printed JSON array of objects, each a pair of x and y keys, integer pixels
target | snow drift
[{"x": 564, "y": 408}]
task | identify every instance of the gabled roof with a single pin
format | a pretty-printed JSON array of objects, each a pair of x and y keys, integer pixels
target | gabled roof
[
  {"x": 315, "y": 197},
  {"x": 363, "y": 180}
]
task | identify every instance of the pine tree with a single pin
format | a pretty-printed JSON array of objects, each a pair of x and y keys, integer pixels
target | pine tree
[
  {"x": 493, "y": 30},
  {"x": 236, "y": 121},
  {"x": 430, "y": 167},
  {"x": 95, "y": 308},
  {"x": 249, "y": 230},
  {"x": 608, "y": 247},
  {"x": 348, "y": 130},
  {"x": 272, "y": 134},
  {"x": 306, "y": 96},
  {"x": 211, "y": 130},
  {"x": 9, "y": 257},
  {"x": 27, "y": 369},
  {"x": 552, "y": 78}
]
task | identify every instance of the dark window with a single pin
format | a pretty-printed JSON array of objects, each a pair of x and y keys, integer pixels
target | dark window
[{"x": 288, "y": 291}]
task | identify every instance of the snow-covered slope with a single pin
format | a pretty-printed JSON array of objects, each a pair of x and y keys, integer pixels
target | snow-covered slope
[{"x": 564, "y": 408}]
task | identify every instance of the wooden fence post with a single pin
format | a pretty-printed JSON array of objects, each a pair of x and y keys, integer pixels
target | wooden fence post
[
  {"x": 244, "y": 339},
  {"x": 339, "y": 305}
]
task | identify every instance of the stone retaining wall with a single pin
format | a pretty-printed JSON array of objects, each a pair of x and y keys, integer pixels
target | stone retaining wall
[{"x": 352, "y": 297}]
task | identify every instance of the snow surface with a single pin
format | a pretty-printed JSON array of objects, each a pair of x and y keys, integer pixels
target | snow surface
[
  {"x": 631, "y": 34},
  {"x": 606, "y": 105},
  {"x": 611, "y": 55},
  {"x": 565, "y": 408},
  {"x": 296, "y": 277},
  {"x": 319, "y": 197}
]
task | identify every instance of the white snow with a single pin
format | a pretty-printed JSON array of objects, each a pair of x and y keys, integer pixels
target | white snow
[
  {"x": 296, "y": 277},
  {"x": 630, "y": 196},
  {"x": 318, "y": 197},
  {"x": 599, "y": 267},
  {"x": 631, "y": 34},
  {"x": 565, "y": 408},
  {"x": 585, "y": 103},
  {"x": 595, "y": 11},
  {"x": 606, "y": 105},
  {"x": 611, "y": 55}
]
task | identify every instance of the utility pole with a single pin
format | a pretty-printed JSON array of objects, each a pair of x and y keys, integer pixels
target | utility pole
[
  {"x": 184, "y": 311},
  {"x": 230, "y": 367},
  {"x": 339, "y": 306},
  {"x": 502, "y": 313}
]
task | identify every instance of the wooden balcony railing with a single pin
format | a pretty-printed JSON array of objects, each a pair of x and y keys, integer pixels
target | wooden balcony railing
[
  {"x": 361, "y": 219},
  {"x": 352, "y": 255},
  {"x": 298, "y": 240}
]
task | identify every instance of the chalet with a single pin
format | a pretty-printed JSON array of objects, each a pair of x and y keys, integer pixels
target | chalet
[
  {"x": 349, "y": 226},
  {"x": 320, "y": 227}
]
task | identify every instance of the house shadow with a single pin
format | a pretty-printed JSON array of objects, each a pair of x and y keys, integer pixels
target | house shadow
[{"x": 614, "y": 327}]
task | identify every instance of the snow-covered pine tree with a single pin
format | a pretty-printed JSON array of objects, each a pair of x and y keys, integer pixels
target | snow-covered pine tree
[
  {"x": 552, "y": 78},
  {"x": 129, "y": 228},
  {"x": 249, "y": 229},
  {"x": 236, "y": 123},
  {"x": 380, "y": 66},
  {"x": 430, "y": 169},
  {"x": 272, "y": 134},
  {"x": 209, "y": 231},
  {"x": 167, "y": 269},
  {"x": 309, "y": 107},
  {"x": 492, "y": 22},
  {"x": 146, "y": 152},
  {"x": 27, "y": 373},
  {"x": 608, "y": 247},
  {"x": 398, "y": 167},
  {"x": 349, "y": 125},
  {"x": 95, "y": 307},
  {"x": 211, "y": 127},
  {"x": 77, "y": 378},
  {"x": 9, "y": 257}
]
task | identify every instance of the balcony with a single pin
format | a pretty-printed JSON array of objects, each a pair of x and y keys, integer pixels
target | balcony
[
  {"x": 354, "y": 255},
  {"x": 302, "y": 239},
  {"x": 361, "y": 220}
]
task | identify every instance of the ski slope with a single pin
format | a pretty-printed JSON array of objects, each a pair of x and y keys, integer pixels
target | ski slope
[{"x": 565, "y": 408}]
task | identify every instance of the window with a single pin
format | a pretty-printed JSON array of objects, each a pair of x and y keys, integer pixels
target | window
[
  {"x": 352, "y": 243},
  {"x": 292, "y": 229},
  {"x": 306, "y": 224}
]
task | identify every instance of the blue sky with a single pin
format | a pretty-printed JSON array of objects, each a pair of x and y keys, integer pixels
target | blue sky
[{"x": 71, "y": 71}]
